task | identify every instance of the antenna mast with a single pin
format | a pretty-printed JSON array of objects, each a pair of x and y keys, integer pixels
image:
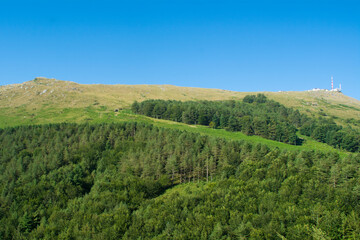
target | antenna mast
[{"x": 332, "y": 83}]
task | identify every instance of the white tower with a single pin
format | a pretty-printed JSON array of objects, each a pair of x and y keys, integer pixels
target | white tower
[{"x": 332, "y": 83}]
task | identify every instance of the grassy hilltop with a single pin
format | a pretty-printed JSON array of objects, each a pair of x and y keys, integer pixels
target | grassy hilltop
[{"x": 29, "y": 99}]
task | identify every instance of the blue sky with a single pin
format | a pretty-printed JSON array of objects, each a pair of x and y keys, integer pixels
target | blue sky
[{"x": 233, "y": 45}]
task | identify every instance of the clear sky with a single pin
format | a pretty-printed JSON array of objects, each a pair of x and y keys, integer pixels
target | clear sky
[{"x": 234, "y": 45}]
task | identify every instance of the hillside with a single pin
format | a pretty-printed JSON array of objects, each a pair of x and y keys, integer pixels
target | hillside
[
  {"x": 125, "y": 175},
  {"x": 29, "y": 99}
]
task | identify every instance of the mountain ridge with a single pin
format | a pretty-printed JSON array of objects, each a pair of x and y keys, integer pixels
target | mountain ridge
[{"x": 143, "y": 91}]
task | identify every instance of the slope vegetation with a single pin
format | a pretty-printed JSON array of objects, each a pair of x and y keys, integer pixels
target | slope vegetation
[
  {"x": 137, "y": 181},
  {"x": 103, "y": 174}
]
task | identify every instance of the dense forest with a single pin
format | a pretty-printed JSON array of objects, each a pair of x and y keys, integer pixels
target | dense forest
[
  {"x": 137, "y": 181},
  {"x": 255, "y": 115}
]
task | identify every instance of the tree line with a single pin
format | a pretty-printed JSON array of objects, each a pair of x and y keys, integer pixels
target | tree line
[{"x": 255, "y": 115}]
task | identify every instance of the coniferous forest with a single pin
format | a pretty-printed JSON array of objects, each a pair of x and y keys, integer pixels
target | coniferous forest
[{"x": 138, "y": 181}]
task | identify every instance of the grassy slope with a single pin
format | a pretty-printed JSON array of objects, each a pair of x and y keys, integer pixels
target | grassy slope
[
  {"x": 64, "y": 94},
  {"x": 29, "y": 103}
]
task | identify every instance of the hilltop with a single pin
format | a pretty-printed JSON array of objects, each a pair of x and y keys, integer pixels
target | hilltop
[{"x": 29, "y": 101}]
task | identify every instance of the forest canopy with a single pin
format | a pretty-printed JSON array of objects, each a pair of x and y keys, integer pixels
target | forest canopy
[{"x": 131, "y": 181}]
